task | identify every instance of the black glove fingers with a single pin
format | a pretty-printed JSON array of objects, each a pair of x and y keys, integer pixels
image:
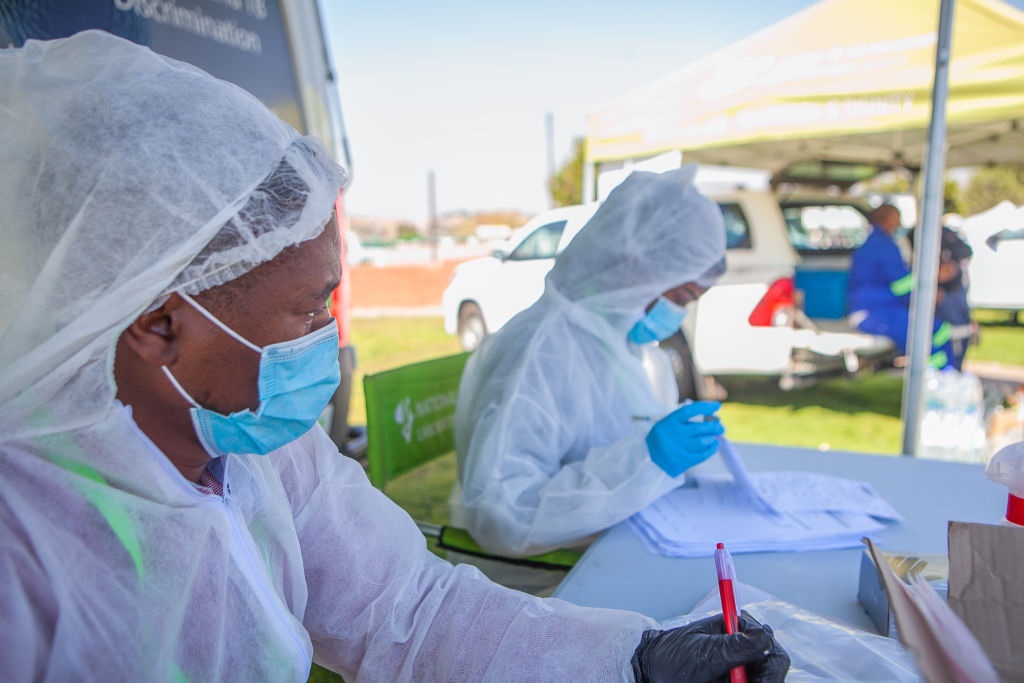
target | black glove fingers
[
  {"x": 746, "y": 621},
  {"x": 747, "y": 647},
  {"x": 771, "y": 670},
  {"x": 712, "y": 626}
]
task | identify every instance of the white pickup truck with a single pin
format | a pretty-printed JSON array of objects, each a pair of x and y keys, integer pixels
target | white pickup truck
[{"x": 779, "y": 310}]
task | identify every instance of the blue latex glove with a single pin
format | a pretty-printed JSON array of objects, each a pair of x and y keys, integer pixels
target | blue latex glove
[{"x": 683, "y": 439}]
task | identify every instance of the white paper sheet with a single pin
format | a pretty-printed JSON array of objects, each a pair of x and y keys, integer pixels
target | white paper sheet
[
  {"x": 796, "y": 491},
  {"x": 761, "y": 511},
  {"x": 689, "y": 521}
]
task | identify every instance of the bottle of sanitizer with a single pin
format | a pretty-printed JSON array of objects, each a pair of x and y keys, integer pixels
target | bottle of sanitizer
[{"x": 1007, "y": 468}]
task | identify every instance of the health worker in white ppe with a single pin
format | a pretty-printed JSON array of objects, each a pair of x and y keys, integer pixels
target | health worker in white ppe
[
  {"x": 568, "y": 417},
  {"x": 169, "y": 509}
]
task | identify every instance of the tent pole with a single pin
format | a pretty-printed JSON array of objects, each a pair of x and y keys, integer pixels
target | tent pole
[
  {"x": 588, "y": 180},
  {"x": 926, "y": 243}
]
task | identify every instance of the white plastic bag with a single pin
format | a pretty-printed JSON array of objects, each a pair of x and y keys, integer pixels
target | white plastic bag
[{"x": 820, "y": 649}]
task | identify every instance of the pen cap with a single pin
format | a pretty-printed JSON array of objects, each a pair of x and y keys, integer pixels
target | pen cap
[
  {"x": 700, "y": 418},
  {"x": 723, "y": 564}
]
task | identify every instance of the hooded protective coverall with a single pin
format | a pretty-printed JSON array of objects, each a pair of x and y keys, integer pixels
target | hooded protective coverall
[
  {"x": 549, "y": 450},
  {"x": 126, "y": 177}
]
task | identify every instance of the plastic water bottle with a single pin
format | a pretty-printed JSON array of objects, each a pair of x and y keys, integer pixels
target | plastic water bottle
[
  {"x": 952, "y": 401},
  {"x": 953, "y": 422},
  {"x": 930, "y": 442},
  {"x": 970, "y": 436}
]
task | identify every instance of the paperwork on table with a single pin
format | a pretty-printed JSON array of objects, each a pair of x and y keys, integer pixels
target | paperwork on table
[{"x": 762, "y": 511}]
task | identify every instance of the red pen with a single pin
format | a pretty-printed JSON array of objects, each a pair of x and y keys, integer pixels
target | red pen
[{"x": 730, "y": 612}]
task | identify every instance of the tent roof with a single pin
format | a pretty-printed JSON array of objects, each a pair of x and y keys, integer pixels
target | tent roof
[{"x": 846, "y": 80}]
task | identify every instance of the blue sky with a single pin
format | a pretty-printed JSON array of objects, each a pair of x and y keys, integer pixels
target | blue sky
[{"x": 463, "y": 88}]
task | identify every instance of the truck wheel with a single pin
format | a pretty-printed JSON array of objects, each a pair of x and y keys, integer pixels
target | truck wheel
[
  {"x": 472, "y": 328},
  {"x": 678, "y": 350}
]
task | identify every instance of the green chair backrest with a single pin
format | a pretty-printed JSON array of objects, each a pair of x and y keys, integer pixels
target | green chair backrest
[
  {"x": 410, "y": 420},
  {"x": 410, "y": 415}
]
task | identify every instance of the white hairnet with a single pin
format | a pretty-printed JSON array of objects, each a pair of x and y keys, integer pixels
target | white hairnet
[
  {"x": 126, "y": 176},
  {"x": 548, "y": 449}
]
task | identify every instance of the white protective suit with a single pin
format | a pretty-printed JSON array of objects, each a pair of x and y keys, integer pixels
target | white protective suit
[
  {"x": 548, "y": 450},
  {"x": 127, "y": 176}
]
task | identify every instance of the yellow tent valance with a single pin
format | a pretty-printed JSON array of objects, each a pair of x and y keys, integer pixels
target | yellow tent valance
[{"x": 843, "y": 79}]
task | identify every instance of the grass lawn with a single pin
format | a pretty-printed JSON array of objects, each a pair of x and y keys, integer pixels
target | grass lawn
[
  {"x": 854, "y": 414},
  {"x": 1001, "y": 340}
]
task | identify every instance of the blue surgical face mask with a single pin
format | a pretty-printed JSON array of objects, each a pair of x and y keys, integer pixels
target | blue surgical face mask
[
  {"x": 661, "y": 322},
  {"x": 296, "y": 381}
]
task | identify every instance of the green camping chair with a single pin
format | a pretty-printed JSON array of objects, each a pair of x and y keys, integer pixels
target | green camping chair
[{"x": 410, "y": 420}]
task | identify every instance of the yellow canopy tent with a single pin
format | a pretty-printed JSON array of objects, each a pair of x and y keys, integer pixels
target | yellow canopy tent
[{"x": 846, "y": 80}]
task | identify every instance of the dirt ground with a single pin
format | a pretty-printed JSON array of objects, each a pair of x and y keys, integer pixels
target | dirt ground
[{"x": 417, "y": 285}]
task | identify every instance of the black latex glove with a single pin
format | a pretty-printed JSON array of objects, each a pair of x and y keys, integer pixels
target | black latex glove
[{"x": 703, "y": 651}]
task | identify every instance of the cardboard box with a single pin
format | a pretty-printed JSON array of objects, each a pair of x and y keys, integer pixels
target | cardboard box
[
  {"x": 986, "y": 591},
  {"x": 872, "y": 595}
]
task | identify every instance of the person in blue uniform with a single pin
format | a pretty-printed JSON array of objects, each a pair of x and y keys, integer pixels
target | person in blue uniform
[
  {"x": 880, "y": 285},
  {"x": 954, "y": 256}
]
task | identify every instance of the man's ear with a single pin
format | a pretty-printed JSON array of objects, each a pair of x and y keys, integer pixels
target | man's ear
[{"x": 153, "y": 336}]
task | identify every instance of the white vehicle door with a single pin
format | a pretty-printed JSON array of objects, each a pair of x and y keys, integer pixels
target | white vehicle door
[{"x": 757, "y": 254}]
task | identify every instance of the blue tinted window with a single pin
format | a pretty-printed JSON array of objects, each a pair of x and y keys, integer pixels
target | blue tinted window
[{"x": 737, "y": 230}]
